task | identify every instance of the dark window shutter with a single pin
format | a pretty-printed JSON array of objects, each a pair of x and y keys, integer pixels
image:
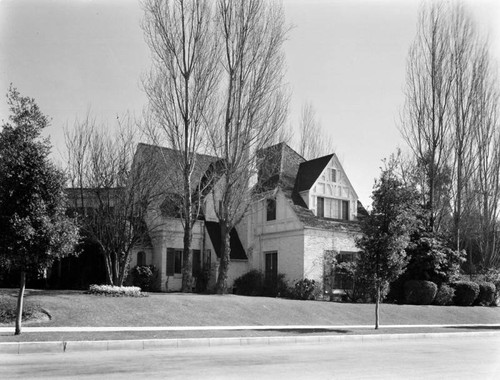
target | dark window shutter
[
  {"x": 196, "y": 262},
  {"x": 170, "y": 261},
  {"x": 321, "y": 207},
  {"x": 345, "y": 210}
]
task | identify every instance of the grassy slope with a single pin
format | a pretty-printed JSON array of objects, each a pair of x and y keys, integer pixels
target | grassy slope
[{"x": 71, "y": 308}]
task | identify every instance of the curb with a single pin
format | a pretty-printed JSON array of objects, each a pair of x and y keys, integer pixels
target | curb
[{"x": 152, "y": 344}]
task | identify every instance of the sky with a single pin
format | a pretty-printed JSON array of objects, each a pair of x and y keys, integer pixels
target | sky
[{"x": 345, "y": 57}]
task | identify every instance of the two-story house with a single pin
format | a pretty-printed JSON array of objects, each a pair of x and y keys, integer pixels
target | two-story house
[
  {"x": 304, "y": 210},
  {"x": 307, "y": 210}
]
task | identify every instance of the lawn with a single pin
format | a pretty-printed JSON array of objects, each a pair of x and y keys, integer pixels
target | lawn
[{"x": 74, "y": 308}]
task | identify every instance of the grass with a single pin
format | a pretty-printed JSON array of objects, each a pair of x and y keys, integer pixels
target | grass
[
  {"x": 74, "y": 308},
  {"x": 8, "y": 306}
]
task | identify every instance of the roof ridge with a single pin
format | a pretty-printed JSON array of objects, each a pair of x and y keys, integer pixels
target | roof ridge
[{"x": 173, "y": 150}]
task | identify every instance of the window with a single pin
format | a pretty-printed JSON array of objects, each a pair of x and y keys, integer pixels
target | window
[
  {"x": 141, "y": 258},
  {"x": 341, "y": 281},
  {"x": 174, "y": 261},
  {"x": 332, "y": 208},
  {"x": 271, "y": 209},
  {"x": 271, "y": 270},
  {"x": 321, "y": 207},
  {"x": 333, "y": 175}
]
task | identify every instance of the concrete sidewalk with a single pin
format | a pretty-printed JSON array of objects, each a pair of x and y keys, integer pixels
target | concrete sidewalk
[
  {"x": 28, "y": 329},
  {"x": 144, "y": 344}
]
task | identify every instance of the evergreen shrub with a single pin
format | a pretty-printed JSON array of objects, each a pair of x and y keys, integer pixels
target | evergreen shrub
[
  {"x": 249, "y": 284},
  {"x": 305, "y": 289},
  {"x": 466, "y": 292},
  {"x": 419, "y": 292},
  {"x": 486, "y": 295},
  {"x": 444, "y": 295},
  {"x": 144, "y": 277}
]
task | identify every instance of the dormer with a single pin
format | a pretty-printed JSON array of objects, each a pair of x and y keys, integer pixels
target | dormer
[{"x": 325, "y": 188}]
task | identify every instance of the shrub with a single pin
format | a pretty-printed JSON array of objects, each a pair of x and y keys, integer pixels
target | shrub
[
  {"x": 466, "y": 292},
  {"x": 249, "y": 284},
  {"x": 420, "y": 292},
  {"x": 115, "y": 291},
  {"x": 144, "y": 277},
  {"x": 444, "y": 296},
  {"x": 277, "y": 288},
  {"x": 305, "y": 289},
  {"x": 358, "y": 287},
  {"x": 493, "y": 275},
  {"x": 486, "y": 295}
]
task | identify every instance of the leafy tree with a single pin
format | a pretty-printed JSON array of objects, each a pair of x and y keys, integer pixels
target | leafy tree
[
  {"x": 386, "y": 234},
  {"x": 35, "y": 229},
  {"x": 431, "y": 260}
]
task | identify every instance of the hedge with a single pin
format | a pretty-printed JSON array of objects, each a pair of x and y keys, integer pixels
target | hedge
[
  {"x": 486, "y": 295},
  {"x": 420, "y": 292},
  {"x": 444, "y": 296},
  {"x": 466, "y": 292}
]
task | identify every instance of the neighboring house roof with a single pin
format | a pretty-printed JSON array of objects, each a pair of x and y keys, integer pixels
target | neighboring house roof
[
  {"x": 237, "y": 251},
  {"x": 310, "y": 171}
]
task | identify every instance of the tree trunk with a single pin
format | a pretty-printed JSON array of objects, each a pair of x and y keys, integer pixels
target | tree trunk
[
  {"x": 109, "y": 269},
  {"x": 187, "y": 264},
  {"x": 377, "y": 301},
  {"x": 20, "y": 298},
  {"x": 221, "y": 286}
]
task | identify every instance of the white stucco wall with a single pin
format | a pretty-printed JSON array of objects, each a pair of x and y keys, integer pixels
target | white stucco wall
[{"x": 283, "y": 235}]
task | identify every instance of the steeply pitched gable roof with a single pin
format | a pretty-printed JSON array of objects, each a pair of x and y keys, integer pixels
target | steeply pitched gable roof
[
  {"x": 286, "y": 169},
  {"x": 310, "y": 171},
  {"x": 168, "y": 178},
  {"x": 237, "y": 251}
]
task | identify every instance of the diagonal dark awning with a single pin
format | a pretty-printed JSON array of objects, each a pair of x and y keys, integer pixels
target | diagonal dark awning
[{"x": 237, "y": 251}]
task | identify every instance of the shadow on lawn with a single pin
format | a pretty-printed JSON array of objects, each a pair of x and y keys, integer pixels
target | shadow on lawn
[
  {"x": 474, "y": 327},
  {"x": 308, "y": 331}
]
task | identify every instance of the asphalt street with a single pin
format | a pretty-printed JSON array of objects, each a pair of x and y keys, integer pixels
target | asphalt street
[{"x": 475, "y": 357}]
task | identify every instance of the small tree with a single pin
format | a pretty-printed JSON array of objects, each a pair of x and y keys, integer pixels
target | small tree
[
  {"x": 386, "y": 234},
  {"x": 35, "y": 229},
  {"x": 112, "y": 189}
]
